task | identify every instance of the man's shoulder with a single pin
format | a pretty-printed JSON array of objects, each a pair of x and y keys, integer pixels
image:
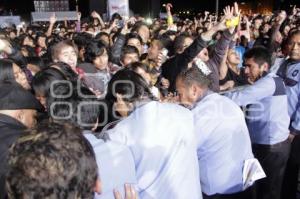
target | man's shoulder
[{"x": 103, "y": 147}]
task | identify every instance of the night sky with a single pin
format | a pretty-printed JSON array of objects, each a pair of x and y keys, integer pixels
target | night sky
[
  {"x": 27, "y": 5},
  {"x": 143, "y": 6}
]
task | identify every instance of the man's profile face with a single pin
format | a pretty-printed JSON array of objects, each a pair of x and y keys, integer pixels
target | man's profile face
[
  {"x": 294, "y": 47},
  {"x": 154, "y": 50},
  {"x": 136, "y": 43},
  {"x": 257, "y": 23},
  {"x": 144, "y": 32},
  {"x": 130, "y": 58},
  {"x": 253, "y": 70},
  {"x": 185, "y": 93}
]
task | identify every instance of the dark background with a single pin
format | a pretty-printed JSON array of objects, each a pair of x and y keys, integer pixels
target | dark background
[{"x": 146, "y": 7}]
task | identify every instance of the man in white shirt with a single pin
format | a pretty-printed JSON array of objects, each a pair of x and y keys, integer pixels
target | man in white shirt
[
  {"x": 160, "y": 136},
  {"x": 223, "y": 141}
]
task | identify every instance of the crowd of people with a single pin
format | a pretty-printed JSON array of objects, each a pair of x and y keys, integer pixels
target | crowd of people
[{"x": 183, "y": 109}]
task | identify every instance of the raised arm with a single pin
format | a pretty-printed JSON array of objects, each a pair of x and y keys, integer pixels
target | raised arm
[
  {"x": 97, "y": 16},
  {"x": 223, "y": 66},
  {"x": 78, "y": 23},
  {"x": 52, "y": 21},
  {"x": 276, "y": 30},
  {"x": 230, "y": 14},
  {"x": 118, "y": 45},
  {"x": 259, "y": 90},
  {"x": 170, "y": 20}
]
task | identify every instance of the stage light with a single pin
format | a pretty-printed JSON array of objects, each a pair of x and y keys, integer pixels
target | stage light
[{"x": 149, "y": 21}]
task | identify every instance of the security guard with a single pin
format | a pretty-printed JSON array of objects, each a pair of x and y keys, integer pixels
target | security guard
[
  {"x": 160, "y": 137},
  {"x": 267, "y": 119},
  {"x": 289, "y": 70},
  {"x": 223, "y": 142}
]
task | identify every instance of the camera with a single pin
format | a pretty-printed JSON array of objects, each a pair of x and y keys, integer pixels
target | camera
[{"x": 121, "y": 23}]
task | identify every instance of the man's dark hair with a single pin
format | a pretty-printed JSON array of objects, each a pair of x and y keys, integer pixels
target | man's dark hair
[
  {"x": 260, "y": 55},
  {"x": 41, "y": 34},
  {"x": 93, "y": 50},
  {"x": 100, "y": 34},
  {"x": 292, "y": 33},
  {"x": 42, "y": 81},
  {"x": 37, "y": 61},
  {"x": 82, "y": 109},
  {"x": 133, "y": 35},
  {"x": 139, "y": 65},
  {"x": 138, "y": 25},
  {"x": 128, "y": 50},
  {"x": 194, "y": 76},
  {"x": 31, "y": 53},
  {"x": 82, "y": 40},
  {"x": 179, "y": 42},
  {"x": 53, "y": 161},
  {"x": 6, "y": 71},
  {"x": 130, "y": 85},
  {"x": 66, "y": 70},
  {"x": 22, "y": 38},
  {"x": 116, "y": 16}
]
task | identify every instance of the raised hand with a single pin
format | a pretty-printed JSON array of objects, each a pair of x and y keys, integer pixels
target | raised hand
[
  {"x": 94, "y": 14},
  {"x": 78, "y": 16},
  {"x": 168, "y": 7},
  {"x": 125, "y": 28},
  {"x": 231, "y": 17},
  {"x": 52, "y": 19},
  {"x": 237, "y": 11},
  {"x": 228, "y": 12},
  {"x": 228, "y": 15},
  {"x": 281, "y": 17},
  {"x": 294, "y": 10}
]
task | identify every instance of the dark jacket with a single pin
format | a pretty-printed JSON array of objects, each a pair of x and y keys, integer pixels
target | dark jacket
[
  {"x": 116, "y": 49},
  {"x": 214, "y": 62},
  {"x": 10, "y": 130},
  {"x": 178, "y": 63},
  {"x": 173, "y": 67}
]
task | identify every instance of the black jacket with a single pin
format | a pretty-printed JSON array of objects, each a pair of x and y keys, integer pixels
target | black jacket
[
  {"x": 10, "y": 130},
  {"x": 116, "y": 49},
  {"x": 173, "y": 67}
]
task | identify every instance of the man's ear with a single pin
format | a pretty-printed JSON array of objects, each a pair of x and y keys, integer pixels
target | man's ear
[
  {"x": 98, "y": 186},
  {"x": 19, "y": 115},
  {"x": 194, "y": 90},
  {"x": 96, "y": 125},
  {"x": 265, "y": 67}
]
